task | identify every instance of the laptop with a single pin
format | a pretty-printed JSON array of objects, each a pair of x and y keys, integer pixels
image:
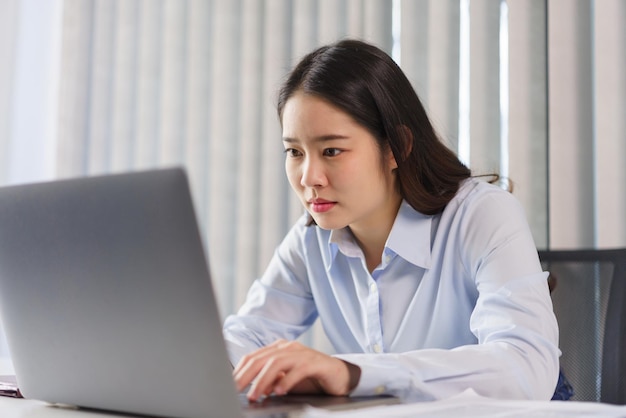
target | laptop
[{"x": 107, "y": 302}]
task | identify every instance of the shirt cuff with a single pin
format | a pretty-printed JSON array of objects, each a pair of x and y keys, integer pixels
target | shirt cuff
[{"x": 377, "y": 377}]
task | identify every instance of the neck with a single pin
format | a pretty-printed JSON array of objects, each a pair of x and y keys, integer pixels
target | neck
[{"x": 372, "y": 238}]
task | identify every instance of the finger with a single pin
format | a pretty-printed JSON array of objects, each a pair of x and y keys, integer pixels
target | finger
[
  {"x": 287, "y": 368},
  {"x": 324, "y": 373},
  {"x": 272, "y": 373},
  {"x": 291, "y": 378},
  {"x": 303, "y": 373},
  {"x": 263, "y": 351},
  {"x": 247, "y": 373},
  {"x": 251, "y": 365}
]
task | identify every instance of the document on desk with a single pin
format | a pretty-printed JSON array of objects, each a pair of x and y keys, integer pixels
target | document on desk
[{"x": 471, "y": 405}]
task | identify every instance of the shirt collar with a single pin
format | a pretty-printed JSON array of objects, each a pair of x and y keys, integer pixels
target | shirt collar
[
  {"x": 409, "y": 238},
  {"x": 341, "y": 240}
]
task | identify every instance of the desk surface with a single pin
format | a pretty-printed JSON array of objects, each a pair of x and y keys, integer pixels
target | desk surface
[
  {"x": 26, "y": 408},
  {"x": 467, "y": 405}
]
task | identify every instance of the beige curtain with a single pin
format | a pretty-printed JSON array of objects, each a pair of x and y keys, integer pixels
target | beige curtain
[
  {"x": 451, "y": 51},
  {"x": 532, "y": 89},
  {"x": 155, "y": 83},
  {"x": 8, "y": 34},
  {"x": 587, "y": 108},
  {"x": 527, "y": 112}
]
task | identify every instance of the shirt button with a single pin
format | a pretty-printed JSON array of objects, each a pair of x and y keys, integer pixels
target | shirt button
[
  {"x": 379, "y": 390},
  {"x": 387, "y": 259},
  {"x": 376, "y": 348},
  {"x": 372, "y": 287}
]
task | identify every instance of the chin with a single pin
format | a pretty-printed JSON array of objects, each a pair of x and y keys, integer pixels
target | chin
[{"x": 326, "y": 223}]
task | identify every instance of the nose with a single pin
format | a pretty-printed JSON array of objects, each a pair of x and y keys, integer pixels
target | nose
[{"x": 313, "y": 174}]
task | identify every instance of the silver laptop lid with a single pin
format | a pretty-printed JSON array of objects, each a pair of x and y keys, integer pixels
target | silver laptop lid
[{"x": 106, "y": 297}]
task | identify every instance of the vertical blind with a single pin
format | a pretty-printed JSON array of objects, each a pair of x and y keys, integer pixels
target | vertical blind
[
  {"x": 587, "y": 118},
  {"x": 535, "y": 90}
]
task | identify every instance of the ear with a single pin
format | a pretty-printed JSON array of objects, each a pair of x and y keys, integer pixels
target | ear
[
  {"x": 405, "y": 137},
  {"x": 391, "y": 160},
  {"x": 405, "y": 146}
]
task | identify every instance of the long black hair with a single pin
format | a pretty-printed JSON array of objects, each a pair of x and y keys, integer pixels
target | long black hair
[{"x": 365, "y": 82}]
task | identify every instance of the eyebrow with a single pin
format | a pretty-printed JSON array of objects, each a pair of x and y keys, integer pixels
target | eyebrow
[{"x": 321, "y": 138}]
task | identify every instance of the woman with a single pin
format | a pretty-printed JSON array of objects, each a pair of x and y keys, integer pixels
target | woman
[{"x": 426, "y": 280}]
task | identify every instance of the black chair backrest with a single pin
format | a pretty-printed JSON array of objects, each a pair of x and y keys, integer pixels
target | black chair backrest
[{"x": 590, "y": 305}]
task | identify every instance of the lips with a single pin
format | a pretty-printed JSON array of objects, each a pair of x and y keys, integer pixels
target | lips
[{"x": 321, "y": 205}]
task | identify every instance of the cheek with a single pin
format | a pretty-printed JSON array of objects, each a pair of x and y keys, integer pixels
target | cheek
[
  {"x": 356, "y": 173},
  {"x": 293, "y": 174}
]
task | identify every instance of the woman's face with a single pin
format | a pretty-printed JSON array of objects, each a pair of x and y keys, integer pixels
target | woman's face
[{"x": 335, "y": 166}]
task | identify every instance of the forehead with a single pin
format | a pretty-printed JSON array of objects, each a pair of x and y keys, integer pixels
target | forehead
[{"x": 304, "y": 113}]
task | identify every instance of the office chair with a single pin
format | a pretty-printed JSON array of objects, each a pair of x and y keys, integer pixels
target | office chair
[{"x": 589, "y": 298}]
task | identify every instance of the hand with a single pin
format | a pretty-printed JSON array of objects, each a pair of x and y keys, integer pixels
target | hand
[{"x": 288, "y": 366}]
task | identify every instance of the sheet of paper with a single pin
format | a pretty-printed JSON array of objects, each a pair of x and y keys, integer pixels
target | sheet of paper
[{"x": 470, "y": 405}]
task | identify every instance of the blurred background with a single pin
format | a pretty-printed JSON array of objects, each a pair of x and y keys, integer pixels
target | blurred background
[{"x": 534, "y": 89}]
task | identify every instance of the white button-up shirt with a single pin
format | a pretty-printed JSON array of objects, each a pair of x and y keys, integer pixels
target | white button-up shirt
[{"x": 459, "y": 301}]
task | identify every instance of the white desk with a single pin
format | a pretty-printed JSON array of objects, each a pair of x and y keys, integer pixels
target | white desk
[
  {"x": 26, "y": 408},
  {"x": 466, "y": 405},
  {"x": 470, "y": 405}
]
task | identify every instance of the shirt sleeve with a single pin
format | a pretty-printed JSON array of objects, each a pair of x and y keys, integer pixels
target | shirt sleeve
[
  {"x": 516, "y": 356},
  {"x": 279, "y": 305}
]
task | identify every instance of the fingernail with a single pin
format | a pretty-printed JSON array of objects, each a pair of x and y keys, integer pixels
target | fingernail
[{"x": 252, "y": 395}]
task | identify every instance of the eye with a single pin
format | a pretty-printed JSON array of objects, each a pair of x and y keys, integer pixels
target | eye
[
  {"x": 332, "y": 152},
  {"x": 292, "y": 152}
]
